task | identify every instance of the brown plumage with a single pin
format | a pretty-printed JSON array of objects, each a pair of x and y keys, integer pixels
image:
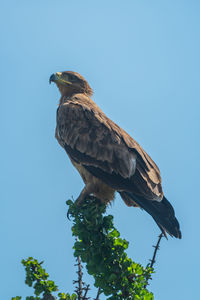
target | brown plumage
[{"x": 107, "y": 158}]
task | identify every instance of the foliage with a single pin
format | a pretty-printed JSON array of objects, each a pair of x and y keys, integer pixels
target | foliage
[
  {"x": 37, "y": 277},
  {"x": 98, "y": 244},
  {"x": 103, "y": 251}
]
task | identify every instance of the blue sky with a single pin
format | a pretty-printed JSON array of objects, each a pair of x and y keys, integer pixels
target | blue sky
[{"x": 142, "y": 60}]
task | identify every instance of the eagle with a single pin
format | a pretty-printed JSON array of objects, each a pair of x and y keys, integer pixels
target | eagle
[{"x": 108, "y": 159}]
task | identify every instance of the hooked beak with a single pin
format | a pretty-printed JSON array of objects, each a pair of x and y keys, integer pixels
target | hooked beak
[
  {"x": 53, "y": 78},
  {"x": 58, "y": 78}
]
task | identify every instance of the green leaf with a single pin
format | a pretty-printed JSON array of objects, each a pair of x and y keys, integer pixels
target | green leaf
[{"x": 115, "y": 233}]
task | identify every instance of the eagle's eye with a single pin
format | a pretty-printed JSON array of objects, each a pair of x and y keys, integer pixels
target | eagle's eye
[{"x": 72, "y": 78}]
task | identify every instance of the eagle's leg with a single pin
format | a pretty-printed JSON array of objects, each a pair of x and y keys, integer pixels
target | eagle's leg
[{"x": 87, "y": 190}]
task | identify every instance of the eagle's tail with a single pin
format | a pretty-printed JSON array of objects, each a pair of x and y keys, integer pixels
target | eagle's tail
[{"x": 162, "y": 212}]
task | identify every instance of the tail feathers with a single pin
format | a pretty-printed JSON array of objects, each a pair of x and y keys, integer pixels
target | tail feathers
[{"x": 162, "y": 212}]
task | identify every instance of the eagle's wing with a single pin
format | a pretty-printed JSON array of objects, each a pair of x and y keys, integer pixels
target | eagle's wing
[{"x": 105, "y": 150}]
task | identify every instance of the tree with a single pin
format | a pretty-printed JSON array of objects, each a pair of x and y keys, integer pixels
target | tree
[{"x": 99, "y": 246}]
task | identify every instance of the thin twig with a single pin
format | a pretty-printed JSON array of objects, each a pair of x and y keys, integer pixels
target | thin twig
[
  {"x": 80, "y": 285},
  {"x": 98, "y": 294},
  {"x": 153, "y": 260},
  {"x": 86, "y": 291}
]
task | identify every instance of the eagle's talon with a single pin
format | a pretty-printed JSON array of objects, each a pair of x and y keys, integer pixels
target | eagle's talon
[{"x": 79, "y": 201}]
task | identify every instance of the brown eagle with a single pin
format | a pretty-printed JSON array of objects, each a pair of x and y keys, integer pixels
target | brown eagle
[{"x": 107, "y": 158}]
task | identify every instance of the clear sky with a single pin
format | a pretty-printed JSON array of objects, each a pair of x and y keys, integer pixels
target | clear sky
[{"x": 142, "y": 60}]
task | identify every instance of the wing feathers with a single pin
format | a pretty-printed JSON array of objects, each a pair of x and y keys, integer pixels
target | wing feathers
[{"x": 84, "y": 129}]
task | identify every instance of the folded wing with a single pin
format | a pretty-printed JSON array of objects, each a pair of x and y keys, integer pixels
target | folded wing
[{"x": 106, "y": 150}]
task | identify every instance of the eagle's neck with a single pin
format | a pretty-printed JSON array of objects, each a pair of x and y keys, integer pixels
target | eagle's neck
[
  {"x": 69, "y": 92},
  {"x": 63, "y": 99},
  {"x": 69, "y": 97},
  {"x": 66, "y": 91}
]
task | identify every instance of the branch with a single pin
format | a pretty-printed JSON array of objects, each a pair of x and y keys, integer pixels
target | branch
[
  {"x": 86, "y": 291},
  {"x": 98, "y": 294},
  {"x": 80, "y": 285},
  {"x": 153, "y": 260},
  {"x": 79, "y": 288}
]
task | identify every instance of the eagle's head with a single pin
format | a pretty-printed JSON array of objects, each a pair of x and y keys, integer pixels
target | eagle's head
[{"x": 70, "y": 83}]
